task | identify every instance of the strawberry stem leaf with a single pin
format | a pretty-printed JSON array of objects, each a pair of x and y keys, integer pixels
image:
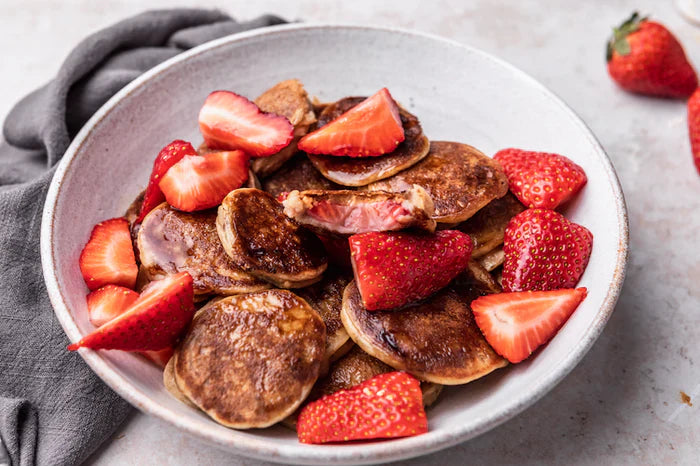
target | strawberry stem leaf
[{"x": 618, "y": 42}]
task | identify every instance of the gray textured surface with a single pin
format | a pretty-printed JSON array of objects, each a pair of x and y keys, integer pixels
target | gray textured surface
[{"x": 622, "y": 404}]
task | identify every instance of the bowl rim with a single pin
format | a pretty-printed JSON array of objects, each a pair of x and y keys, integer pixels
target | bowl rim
[{"x": 266, "y": 449}]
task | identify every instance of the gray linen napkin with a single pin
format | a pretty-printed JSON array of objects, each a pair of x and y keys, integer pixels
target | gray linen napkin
[{"x": 53, "y": 409}]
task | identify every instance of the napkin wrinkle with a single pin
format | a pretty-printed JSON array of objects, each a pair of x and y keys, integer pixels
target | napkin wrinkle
[{"x": 53, "y": 409}]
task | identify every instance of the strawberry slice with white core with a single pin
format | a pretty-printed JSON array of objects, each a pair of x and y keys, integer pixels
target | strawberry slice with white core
[
  {"x": 200, "y": 182},
  {"x": 229, "y": 121},
  {"x": 109, "y": 302},
  {"x": 167, "y": 157},
  {"x": 108, "y": 257},
  {"x": 371, "y": 128},
  {"x": 516, "y": 324},
  {"x": 153, "y": 322}
]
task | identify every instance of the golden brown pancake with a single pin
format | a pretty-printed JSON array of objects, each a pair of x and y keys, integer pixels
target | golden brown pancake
[
  {"x": 436, "y": 340},
  {"x": 264, "y": 242},
  {"x": 250, "y": 360},
  {"x": 326, "y": 297},
  {"x": 298, "y": 173},
  {"x": 477, "y": 280},
  {"x": 460, "y": 179},
  {"x": 492, "y": 259},
  {"x": 289, "y": 99},
  {"x": 171, "y": 384},
  {"x": 487, "y": 227},
  {"x": 171, "y": 241},
  {"x": 353, "y": 171},
  {"x": 347, "y": 212}
]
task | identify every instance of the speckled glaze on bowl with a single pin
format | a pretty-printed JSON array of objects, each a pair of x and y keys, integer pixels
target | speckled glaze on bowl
[{"x": 458, "y": 93}]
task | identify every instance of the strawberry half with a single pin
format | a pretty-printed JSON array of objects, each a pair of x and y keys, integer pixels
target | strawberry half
[
  {"x": 109, "y": 302},
  {"x": 544, "y": 251},
  {"x": 372, "y": 127},
  {"x": 539, "y": 179},
  {"x": 153, "y": 322},
  {"x": 388, "y": 405},
  {"x": 108, "y": 257},
  {"x": 694, "y": 127},
  {"x": 229, "y": 121},
  {"x": 199, "y": 182},
  {"x": 395, "y": 269},
  {"x": 516, "y": 324},
  {"x": 167, "y": 157}
]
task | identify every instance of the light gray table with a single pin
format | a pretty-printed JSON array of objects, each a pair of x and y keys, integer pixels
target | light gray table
[{"x": 622, "y": 404}]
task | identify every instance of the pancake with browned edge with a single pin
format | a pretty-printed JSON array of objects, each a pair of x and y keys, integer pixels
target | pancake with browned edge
[
  {"x": 248, "y": 361},
  {"x": 436, "y": 340},
  {"x": 487, "y": 227},
  {"x": 264, "y": 242},
  {"x": 360, "y": 171},
  {"x": 297, "y": 173},
  {"x": 289, "y": 99},
  {"x": 460, "y": 180},
  {"x": 171, "y": 241}
]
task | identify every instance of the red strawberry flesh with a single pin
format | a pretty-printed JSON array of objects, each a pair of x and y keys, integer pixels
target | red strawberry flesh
[
  {"x": 694, "y": 127},
  {"x": 109, "y": 302},
  {"x": 388, "y": 405},
  {"x": 371, "y": 128},
  {"x": 200, "y": 182},
  {"x": 395, "y": 269},
  {"x": 167, "y": 157},
  {"x": 108, "y": 257},
  {"x": 229, "y": 121},
  {"x": 153, "y": 322},
  {"x": 516, "y": 324},
  {"x": 544, "y": 251},
  {"x": 539, "y": 179}
]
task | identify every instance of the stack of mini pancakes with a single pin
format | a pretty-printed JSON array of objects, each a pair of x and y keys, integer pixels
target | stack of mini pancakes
[{"x": 278, "y": 326}]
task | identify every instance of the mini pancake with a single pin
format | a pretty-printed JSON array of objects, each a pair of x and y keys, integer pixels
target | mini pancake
[
  {"x": 326, "y": 297},
  {"x": 171, "y": 241},
  {"x": 460, "y": 179},
  {"x": 492, "y": 259},
  {"x": 298, "y": 173},
  {"x": 352, "y": 212},
  {"x": 487, "y": 227},
  {"x": 264, "y": 242},
  {"x": 436, "y": 340},
  {"x": 476, "y": 280},
  {"x": 351, "y": 171},
  {"x": 289, "y": 99},
  {"x": 171, "y": 385},
  {"x": 250, "y": 360}
]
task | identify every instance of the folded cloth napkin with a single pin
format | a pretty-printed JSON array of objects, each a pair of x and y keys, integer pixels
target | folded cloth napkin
[{"x": 53, "y": 409}]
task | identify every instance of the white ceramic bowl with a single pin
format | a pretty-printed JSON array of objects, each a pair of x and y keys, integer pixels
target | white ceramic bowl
[{"x": 457, "y": 92}]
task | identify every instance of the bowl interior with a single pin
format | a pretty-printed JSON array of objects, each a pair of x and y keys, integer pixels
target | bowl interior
[{"x": 457, "y": 93}]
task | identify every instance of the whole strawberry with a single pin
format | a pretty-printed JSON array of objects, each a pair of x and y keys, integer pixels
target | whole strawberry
[
  {"x": 386, "y": 406},
  {"x": 395, "y": 269},
  {"x": 694, "y": 126},
  {"x": 540, "y": 179},
  {"x": 644, "y": 57},
  {"x": 544, "y": 251}
]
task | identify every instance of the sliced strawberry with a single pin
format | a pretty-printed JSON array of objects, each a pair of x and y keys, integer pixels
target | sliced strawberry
[
  {"x": 388, "y": 405},
  {"x": 199, "y": 182},
  {"x": 159, "y": 358},
  {"x": 109, "y": 302},
  {"x": 282, "y": 196},
  {"x": 516, "y": 324},
  {"x": 108, "y": 257},
  {"x": 694, "y": 127},
  {"x": 539, "y": 179},
  {"x": 153, "y": 322},
  {"x": 229, "y": 121},
  {"x": 167, "y": 157},
  {"x": 373, "y": 127},
  {"x": 544, "y": 251},
  {"x": 395, "y": 269}
]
